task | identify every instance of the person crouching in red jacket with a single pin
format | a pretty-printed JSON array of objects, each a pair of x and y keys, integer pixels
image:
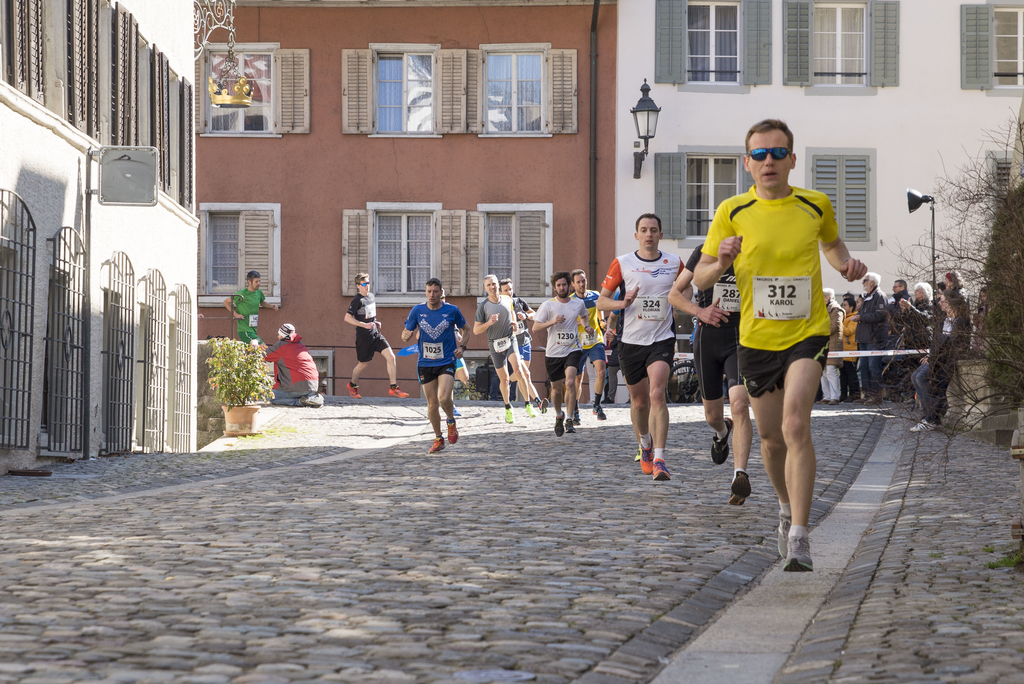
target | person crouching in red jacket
[{"x": 297, "y": 379}]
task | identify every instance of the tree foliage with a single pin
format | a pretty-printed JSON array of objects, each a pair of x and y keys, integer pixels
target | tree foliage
[{"x": 238, "y": 373}]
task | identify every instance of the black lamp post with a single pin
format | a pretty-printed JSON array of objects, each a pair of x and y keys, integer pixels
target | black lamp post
[
  {"x": 645, "y": 116},
  {"x": 914, "y": 202}
]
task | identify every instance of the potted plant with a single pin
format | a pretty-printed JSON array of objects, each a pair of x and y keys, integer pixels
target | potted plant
[{"x": 239, "y": 376}]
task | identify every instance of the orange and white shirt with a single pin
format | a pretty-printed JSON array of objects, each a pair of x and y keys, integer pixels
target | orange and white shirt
[{"x": 649, "y": 318}]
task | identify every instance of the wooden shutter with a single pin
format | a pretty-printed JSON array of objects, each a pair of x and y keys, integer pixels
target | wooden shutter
[
  {"x": 670, "y": 41},
  {"x": 203, "y": 255},
  {"x": 355, "y": 248},
  {"x": 885, "y": 43},
  {"x": 256, "y": 246},
  {"x": 155, "y": 129},
  {"x": 976, "y": 23},
  {"x": 120, "y": 75},
  {"x": 132, "y": 89},
  {"x": 293, "y": 90},
  {"x": 825, "y": 178},
  {"x": 474, "y": 91},
  {"x": 855, "y": 186},
  {"x": 356, "y": 85},
  {"x": 199, "y": 106},
  {"x": 186, "y": 141},
  {"x": 475, "y": 258},
  {"x": 162, "y": 98},
  {"x": 452, "y": 114},
  {"x": 798, "y": 28},
  {"x": 669, "y": 192},
  {"x": 757, "y": 30},
  {"x": 746, "y": 178},
  {"x": 531, "y": 278},
  {"x": 78, "y": 64},
  {"x": 452, "y": 266},
  {"x": 26, "y": 53},
  {"x": 562, "y": 92},
  {"x": 92, "y": 94}
]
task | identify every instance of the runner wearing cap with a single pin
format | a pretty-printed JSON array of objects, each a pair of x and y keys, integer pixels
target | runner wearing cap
[
  {"x": 362, "y": 313},
  {"x": 245, "y": 306},
  {"x": 297, "y": 379}
]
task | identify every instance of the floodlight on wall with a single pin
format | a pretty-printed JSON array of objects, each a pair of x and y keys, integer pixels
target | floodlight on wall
[
  {"x": 645, "y": 118},
  {"x": 914, "y": 201}
]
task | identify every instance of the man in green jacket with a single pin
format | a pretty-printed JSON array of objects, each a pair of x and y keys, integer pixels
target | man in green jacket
[{"x": 247, "y": 303}]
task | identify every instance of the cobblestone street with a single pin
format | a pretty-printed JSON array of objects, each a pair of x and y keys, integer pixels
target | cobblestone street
[{"x": 334, "y": 549}]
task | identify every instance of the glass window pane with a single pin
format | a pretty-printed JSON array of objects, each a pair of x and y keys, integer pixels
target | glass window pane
[
  {"x": 257, "y": 118},
  {"x": 528, "y": 67},
  {"x": 421, "y": 120},
  {"x": 499, "y": 93},
  {"x": 224, "y": 120},
  {"x": 419, "y": 227},
  {"x": 389, "y": 68},
  {"x": 726, "y": 18},
  {"x": 499, "y": 119},
  {"x": 420, "y": 67},
  {"x": 420, "y": 93},
  {"x": 499, "y": 245},
  {"x": 389, "y": 94},
  {"x": 1006, "y": 23},
  {"x": 725, "y": 171},
  {"x": 223, "y": 236},
  {"x": 699, "y": 17},
  {"x": 499, "y": 67},
  {"x": 389, "y": 228},
  {"x": 1006, "y": 49},
  {"x": 529, "y": 119},
  {"x": 529, "y": 93}
]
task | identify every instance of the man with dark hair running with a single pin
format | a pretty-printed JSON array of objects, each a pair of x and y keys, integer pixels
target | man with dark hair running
[
  {"x": 770, "y": 235},
  {"x": 362, "y": 313},
  {"x": 561, "y": 317},
  {"x": 436, "y": 323},
  {"x": 593, "y": 345},
  {"x": 715, "y": 354},
  {"x": 245, "y": 307},
  {"x": 648, "y": 342}
]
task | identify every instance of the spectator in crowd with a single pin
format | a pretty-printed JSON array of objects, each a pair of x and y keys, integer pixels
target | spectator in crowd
[
  {"x": 849, "y": 385},
  {"x": 297, "y": 379},
  {"x": 950, "y": 344},
  {"x": 830, "y": 378},
  {"x": 872, "y": 334},
  {"x": 611, "y": 342},
  {"x": 916, "y": 318}
]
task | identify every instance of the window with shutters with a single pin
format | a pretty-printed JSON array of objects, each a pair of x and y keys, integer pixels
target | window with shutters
[
  {"x": 257, "y": 67},
  {"x": 500, "y": 237},
  {"x": 840, "y": 45},
  {"x": 713, "y": 43},
  {"x": 515, "y": 92},
  {"x": 709, "y": 181},
  {"x": 403, "y": 253},
  {"x": 846, "y": 179},
  {"x": 23, "y": 46},
  {"x": 1009, "y": 35},
  {"x": 405, "y": 92},
  {"x": 235, "y": 239}
]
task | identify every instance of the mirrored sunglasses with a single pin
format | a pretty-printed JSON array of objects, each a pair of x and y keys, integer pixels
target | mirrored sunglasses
[{"x": 761, "y": 153}]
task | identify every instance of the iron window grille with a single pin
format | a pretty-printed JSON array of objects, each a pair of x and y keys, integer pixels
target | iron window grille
[
  {"x": 119, "y": 353},
  {"x": 17, "y": 317}
]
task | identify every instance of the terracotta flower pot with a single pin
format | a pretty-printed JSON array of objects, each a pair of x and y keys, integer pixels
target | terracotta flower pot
[{"x": 241, "y": 420}]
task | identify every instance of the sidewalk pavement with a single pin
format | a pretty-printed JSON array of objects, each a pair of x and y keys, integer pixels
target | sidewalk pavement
[{"x": 335, "y": 549}]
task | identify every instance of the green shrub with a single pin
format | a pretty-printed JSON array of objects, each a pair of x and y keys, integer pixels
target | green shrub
[{"x": 238, "y": 373}]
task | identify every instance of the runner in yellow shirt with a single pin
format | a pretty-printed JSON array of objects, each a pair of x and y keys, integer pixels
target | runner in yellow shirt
[{"x": 770, "y": 236}]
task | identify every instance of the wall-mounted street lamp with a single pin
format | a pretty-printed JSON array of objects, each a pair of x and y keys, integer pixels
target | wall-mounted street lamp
[
  {"x": 645, "y": 116},
  {"x": 914, "y": 202}
]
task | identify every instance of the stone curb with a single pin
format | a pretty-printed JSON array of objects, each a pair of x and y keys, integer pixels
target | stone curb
[
  {"x": 822, "y": 644},
  {"x": 641, "y": 658}
]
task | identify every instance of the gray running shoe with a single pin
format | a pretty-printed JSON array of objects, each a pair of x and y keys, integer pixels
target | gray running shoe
[
  {"x": 799, "y": 558},
  {"x": 785, "y": 522}
]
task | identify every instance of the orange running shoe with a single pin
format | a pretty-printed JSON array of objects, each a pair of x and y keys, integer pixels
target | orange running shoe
[
  {"x": 660, "y": 471},
  {"x": 437, "y": 445},
  {"x": 647, "y": 459},
  {"x": 396, "y": 392},
  {"x": 453, "y": 433},
  {"x": 353, "y": 391}
]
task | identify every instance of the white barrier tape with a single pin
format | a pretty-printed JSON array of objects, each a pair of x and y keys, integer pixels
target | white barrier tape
[{"x": 686, "y": 356}]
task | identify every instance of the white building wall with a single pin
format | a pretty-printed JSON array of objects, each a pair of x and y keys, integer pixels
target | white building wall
[
  {"x": 44, "y": 161},
  {"x": 920, "y": 131}
]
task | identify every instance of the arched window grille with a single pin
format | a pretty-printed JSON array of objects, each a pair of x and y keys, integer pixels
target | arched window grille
[
  {"x": 64, "y": 396},
  {"x": 17, "y": 317},
  {"x": 119, "y": 353}
]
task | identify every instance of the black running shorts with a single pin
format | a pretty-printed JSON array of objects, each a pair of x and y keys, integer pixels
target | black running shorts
[
  {"x": 715, "y": 353},
  {"x": 429, "y": 374},
  {"x": 368, "y": 345},
  {"x": 634, "y": 359},
  {"x": 765, "y": 371},
  {"x": 556, "y": 365}
]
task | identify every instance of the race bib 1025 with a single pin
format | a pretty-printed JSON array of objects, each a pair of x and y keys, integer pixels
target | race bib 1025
[
  {"x": 433, "y": 351},
  {"x": 782, "y": 299}
]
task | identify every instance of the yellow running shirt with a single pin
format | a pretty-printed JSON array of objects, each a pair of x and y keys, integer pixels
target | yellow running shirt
[{"x": 778, "y": 270}]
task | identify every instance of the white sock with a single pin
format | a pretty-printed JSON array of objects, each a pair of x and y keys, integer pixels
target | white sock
[
  {"x": 785, "y": 509},
  {"x": 722, "y": 433},
  {"x": 645, "y": 441},
  {"x": 659, "y": 454},
  {"x": 797, "y": 531},
  {"x": 737, "y": 472}
]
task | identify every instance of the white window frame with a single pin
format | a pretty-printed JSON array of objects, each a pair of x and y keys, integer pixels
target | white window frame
[
  {"x": 738, "y": 80},
  {"x": 549, "y": 260},
  {"x": 214, "y": 300},
  {"x": 405, "y": 208},
  {"x": 1019, "y": 11},
  {"x": 838, "y": 56},
  {"x": 406, "y": 49},
  {"x": 710, "y": 158},
  {"x": 207, "y": 118},
  {"x": 516, "y": 49}
]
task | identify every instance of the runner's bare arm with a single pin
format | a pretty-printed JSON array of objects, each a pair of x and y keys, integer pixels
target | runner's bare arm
[
  {"x": 710, "y": 269},
  {"x": 606, "y": 303},
  {"x": 680, "y": 294},
  {"x": 349, "y": 318},
  {"x": 407, "y": 334},
  {"x": 838, "y": 257}
]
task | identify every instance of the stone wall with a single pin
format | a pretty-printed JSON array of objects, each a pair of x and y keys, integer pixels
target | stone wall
[{"x": 209, "y": 416}]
